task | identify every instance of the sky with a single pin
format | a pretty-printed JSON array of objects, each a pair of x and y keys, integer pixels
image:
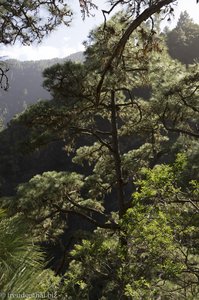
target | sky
[{"x": 67, "y": 40}]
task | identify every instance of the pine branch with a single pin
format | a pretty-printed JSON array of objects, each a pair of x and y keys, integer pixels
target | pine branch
[
  {"x": 112, "y": 225},
  {"x": 119, "y": 48}
]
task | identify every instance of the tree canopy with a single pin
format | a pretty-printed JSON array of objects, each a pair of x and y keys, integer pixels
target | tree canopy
[
  {"x": 129, "y": 116},
  {"x": 184, "y": 39}
]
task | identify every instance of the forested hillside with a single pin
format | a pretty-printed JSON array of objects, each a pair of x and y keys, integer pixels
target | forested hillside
[
  {"x": 99, "y": 179},
  {"x": 25, "y": 84}
]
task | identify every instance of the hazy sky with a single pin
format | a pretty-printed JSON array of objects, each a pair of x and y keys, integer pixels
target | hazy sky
[{"x": 67, "y": 40}]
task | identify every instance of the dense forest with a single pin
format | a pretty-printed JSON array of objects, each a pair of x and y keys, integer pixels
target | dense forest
[{"x": 99, "y": 165}]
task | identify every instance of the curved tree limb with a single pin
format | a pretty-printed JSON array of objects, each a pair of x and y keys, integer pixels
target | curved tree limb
[
  {"x": 118, "y": 50},
  {"x": 112, "y": 225}
]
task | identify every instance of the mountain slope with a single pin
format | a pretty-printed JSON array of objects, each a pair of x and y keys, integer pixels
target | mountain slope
[{"x": 25, "y": 84}]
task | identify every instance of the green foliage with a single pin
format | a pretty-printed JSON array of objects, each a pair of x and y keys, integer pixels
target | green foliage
[
  {"x": 47, "y": 199},
  {"x": 183, "y": 40},
  {"x": 21, "y": 261},
  {"x": 150, "y": 255},
  {"x": 68, "y": 80},
  {"x": 161, "y": 181}
]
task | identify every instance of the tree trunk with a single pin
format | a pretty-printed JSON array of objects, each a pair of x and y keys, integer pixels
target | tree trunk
[{"x": 116, "y": 155}]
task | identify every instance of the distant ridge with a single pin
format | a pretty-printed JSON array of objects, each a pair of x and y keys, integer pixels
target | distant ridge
[
  {"x": 77, "y": 56},
  {"x": 25, "y": 80}
]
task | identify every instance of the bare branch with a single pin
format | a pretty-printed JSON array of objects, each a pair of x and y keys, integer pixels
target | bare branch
[
  {"x": 86, "y": 6},
  {"x": 89, "y": 209},
  {"x": 4, "y": 79}
]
